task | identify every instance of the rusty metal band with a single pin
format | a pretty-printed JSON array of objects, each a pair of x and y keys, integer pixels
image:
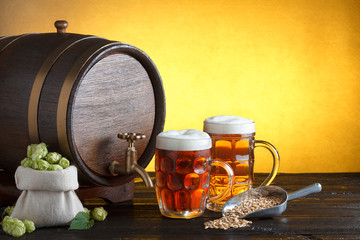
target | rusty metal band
[
  {"x": 15, "y": 39},
  {"x": 39, "y": 82},
  {"x": 64, "y": 98}
]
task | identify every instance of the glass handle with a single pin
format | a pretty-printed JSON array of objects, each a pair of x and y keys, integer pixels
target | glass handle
[
  {"x": 229, "y": 186},
  {"x": 276, "y": 159}
]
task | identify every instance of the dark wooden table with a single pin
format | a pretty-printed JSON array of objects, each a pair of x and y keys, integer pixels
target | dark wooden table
[{"x": 333, "y": 213}]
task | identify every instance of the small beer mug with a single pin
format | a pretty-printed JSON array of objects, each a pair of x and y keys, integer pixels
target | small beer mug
[
  {"x": 182, "y": 166},
  {"x": 233, "y": 142}
]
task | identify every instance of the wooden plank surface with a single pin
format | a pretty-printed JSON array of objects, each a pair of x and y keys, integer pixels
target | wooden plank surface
[{"x": 334, "y": 213}]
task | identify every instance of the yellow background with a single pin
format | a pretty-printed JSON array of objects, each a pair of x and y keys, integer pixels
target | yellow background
[{"x": 293, "y": 66}]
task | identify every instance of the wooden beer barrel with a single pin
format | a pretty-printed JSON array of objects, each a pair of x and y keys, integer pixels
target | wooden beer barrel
[{"x": 76, "y": 93}]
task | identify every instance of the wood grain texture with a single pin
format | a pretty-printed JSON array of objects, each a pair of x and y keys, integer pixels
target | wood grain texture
[
  {"x": 138, "y": 109},
  {"x": 116, "y": 194},
  {"x": 118, "y": 89},
  {"x": 19, "y": 64},
  {"x": 51, "y": 91},
  {"x": 115, "y": 96},
  {"x": 5, "y": 41},
  {"x": 333, "y": 213}
]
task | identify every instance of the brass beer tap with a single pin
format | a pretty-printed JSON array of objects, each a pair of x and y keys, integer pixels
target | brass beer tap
[{"x": 131, "y": 165}]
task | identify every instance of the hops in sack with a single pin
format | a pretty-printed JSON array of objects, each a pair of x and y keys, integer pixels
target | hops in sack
[
  {"x": 39, "y": 158},
  {"x": 48, "y": 185}
]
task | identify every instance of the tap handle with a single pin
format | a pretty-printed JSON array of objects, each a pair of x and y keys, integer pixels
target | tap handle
[
  {"x": 131, "y": 137},
  {"x": 131, "y": 165},
  {"x": 131, "y": 155}
]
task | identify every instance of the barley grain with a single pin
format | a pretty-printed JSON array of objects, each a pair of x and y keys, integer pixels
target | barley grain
[{"x": 234, "y": 217}]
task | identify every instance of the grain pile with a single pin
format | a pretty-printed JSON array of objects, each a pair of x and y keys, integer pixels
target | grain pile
[{"x": 234, "y": 217}]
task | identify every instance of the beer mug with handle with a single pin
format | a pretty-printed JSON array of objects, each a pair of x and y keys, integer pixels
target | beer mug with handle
[
  {"x": 182, "y": 167},
  {"x": 233, "y": 142}
]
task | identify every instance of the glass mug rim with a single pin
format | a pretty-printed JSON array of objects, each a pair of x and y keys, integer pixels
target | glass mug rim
[
  {"x": 183, "y": 140},
  {"x": 228, "y": 124}
]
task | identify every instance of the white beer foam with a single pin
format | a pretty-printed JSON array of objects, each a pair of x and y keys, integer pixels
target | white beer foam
[
  {"x": 229, "y": 124},
  {"x": 183, "y": 140}
]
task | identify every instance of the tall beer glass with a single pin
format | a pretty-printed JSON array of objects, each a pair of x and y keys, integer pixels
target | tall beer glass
[
  {"x": 233, "y": 142},
  {"x": 182, "y": 166}
]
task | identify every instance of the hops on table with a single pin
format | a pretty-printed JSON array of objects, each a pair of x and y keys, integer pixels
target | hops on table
[
  {"x": 99, "y": 214},
  {"x": 13, "y": 226},
  {"x": 29, "y": 225},
  {"x": 8, "y": 210}
]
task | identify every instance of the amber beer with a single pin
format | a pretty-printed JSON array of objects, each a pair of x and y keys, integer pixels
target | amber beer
[
  {"x": 233, "y": 143},
  {"x": 182, "y": 166}
]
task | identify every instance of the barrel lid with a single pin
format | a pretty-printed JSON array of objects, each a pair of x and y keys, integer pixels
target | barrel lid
[{"x": 118, "y": 90}]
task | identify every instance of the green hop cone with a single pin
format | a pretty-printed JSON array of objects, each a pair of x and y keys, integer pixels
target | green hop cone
[
  {"x": 30, "y": 150},
  {"x": 99, "y": 214},
  {"x": 13, "y": 226},
  {"x": 27, "y": 162},
  {"x": 54, "y": 167},
  {"x": 8, "y": 210},
  {"x": 53, "y": 157},
  {"x": 87, "y": 211},
  {"x": 64, "y": 163},
  {"x": 29, "y": 225},
  {"x": 6, "y": 223},
  {"x": 37, "y": 151},
  {"x": 41, "y": 165}
]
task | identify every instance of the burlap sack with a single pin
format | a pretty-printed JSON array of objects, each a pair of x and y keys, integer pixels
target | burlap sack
[{"x": 48, "y": 197}]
